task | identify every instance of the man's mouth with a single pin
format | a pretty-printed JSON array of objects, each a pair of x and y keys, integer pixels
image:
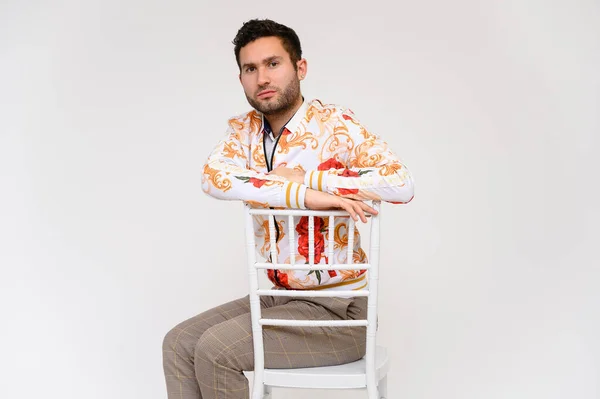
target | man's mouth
[{"x": 266, "y": 93}]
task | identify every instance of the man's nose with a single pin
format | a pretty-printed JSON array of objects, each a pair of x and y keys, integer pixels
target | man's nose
[{"x": 263, "y": 77}]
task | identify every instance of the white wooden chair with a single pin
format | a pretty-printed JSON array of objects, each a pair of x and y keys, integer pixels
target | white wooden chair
[{"x": 368, "y": 373}]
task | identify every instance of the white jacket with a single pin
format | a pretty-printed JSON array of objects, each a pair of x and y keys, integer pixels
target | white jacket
[{"x": 338, "y": 155}]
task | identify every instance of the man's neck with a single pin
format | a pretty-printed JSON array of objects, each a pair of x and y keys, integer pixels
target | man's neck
[{"x": 277, "y": 121}]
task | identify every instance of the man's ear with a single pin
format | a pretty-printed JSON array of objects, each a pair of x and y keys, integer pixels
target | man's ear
[{"x": 302, "y": 68}]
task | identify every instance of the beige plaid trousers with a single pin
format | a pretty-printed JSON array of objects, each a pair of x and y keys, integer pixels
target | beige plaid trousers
[{"x": 204, "y": 356}]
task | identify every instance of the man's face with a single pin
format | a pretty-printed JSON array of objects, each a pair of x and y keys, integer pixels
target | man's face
[{"x": 270, "y": 80}]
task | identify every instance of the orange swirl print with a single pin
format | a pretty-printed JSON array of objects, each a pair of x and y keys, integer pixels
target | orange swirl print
[{"x": 217, "y": 180}]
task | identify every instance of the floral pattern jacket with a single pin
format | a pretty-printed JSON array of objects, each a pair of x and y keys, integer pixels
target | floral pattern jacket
[{"x": 339, "y": 156}]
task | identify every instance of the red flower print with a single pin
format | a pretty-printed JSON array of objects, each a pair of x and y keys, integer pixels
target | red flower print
[
  {"x": 332, "y": 273},
  {"x": 331, "y": 163},
  {"x": 302, "y": 226},
  {"x": 283, "y": 279},
  {"x": 346, "y": 117},
  {"x": 303, "y": 245},
  {"x": 258, "y": 183},
  {"x": 319, "y": 246},
  {"x": 349, "y": 173},
  {"x": 271, "y": 275},
  {"x": 346, "y": 191}
]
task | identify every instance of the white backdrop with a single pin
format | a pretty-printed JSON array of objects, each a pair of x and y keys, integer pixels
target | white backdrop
[{"x": 109, "y": 108}]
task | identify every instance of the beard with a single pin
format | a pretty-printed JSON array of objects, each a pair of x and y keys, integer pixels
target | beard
[{"x": 287, "y": 99}]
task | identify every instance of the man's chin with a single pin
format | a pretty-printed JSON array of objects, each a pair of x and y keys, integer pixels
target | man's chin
[
  {"x": 268, "y": 108},
  {"x": 266, "y": 101}
]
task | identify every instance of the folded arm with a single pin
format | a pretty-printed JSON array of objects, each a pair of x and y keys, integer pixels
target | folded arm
[
  {"x": 227, "y": 175},
  {"x": 371, "y": 171}
]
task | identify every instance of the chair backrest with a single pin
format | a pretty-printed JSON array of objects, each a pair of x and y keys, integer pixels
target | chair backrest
[{"x": 372, "y": 267}]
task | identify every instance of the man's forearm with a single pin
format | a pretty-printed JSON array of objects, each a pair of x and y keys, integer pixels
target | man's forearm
[{"x": 231, "y": 182}]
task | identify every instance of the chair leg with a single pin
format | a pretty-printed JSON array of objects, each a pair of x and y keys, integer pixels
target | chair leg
[
  {"x": 372, "y": 392},
  {"x": 267, "y": 392},
  {"x": 383, "y": 388}
]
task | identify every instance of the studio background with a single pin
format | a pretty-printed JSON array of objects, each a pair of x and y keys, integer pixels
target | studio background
[{"x": 109, "y": 108}]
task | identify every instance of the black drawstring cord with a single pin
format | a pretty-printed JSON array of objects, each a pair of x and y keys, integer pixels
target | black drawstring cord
[{"x": 269, "y": 163}]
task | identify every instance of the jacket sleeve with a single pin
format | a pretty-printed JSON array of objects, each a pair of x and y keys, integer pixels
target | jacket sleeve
[
  {"x": 371, "y": 171},
  {"x": 227, "y": 175}
]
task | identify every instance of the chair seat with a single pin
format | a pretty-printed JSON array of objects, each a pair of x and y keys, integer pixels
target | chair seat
[{"x": 344, "y": 376}]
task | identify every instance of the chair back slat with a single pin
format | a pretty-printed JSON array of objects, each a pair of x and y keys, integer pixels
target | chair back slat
[
  {"x": 349, "y": 256},
  {"x": 292, "y": 239},
  {"x": 311, "y": 240},
  {"x": 273, "y": 239},
  {"x": 299, "y": 266},
  {"x": 312, "y": 294},
  {"x": 330, "y": 244}
]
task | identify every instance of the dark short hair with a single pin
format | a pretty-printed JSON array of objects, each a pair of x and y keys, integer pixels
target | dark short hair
[{"x": 257, "y": 28}]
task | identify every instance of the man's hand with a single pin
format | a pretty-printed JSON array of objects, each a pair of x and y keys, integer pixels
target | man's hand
[
  {"x": 290, "y": 174},
  {"x": 319, "y": 200}
]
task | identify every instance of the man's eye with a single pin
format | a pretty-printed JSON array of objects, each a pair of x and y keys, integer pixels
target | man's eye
[
  {"x": 250, "y": 69},
  {"x": 273, "y": 63}
]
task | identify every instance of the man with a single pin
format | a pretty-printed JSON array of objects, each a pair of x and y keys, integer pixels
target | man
[{"x": 289, "y": 153}]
